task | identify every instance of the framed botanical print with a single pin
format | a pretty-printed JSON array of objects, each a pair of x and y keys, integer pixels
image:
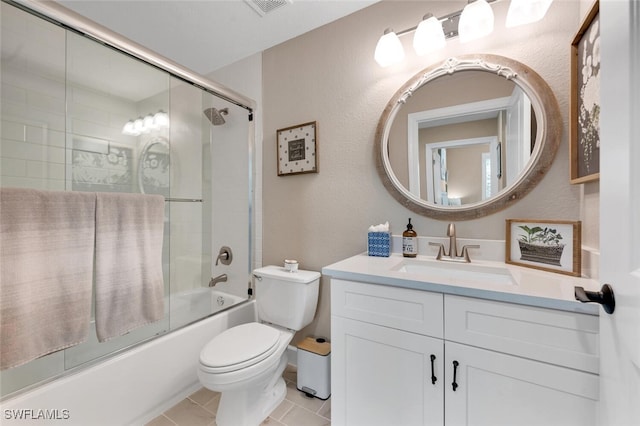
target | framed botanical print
[
  {"x": 585, "y": 100},
  {"x": 548, "y": 245},
  {"x": 298, "y": 149}
]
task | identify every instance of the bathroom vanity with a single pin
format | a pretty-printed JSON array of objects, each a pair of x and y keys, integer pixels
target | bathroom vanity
[{"x": 425, "y": 342}]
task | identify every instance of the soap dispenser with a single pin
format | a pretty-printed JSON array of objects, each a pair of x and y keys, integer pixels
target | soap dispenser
[{"x": 409, "y": 241}]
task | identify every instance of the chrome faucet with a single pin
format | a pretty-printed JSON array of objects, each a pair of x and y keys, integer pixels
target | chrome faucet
[
  {"x": 453, "y": 244},
  {"x": 452, "y": 255},
  {"x": 219, "y": 279}
]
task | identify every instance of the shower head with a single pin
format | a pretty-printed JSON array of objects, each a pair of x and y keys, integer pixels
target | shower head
[{"x": 215, "y": 116}]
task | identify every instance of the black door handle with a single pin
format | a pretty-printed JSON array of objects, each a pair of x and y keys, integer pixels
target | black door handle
[
  {"x": 434, "y": 379},
  {"x": 603, "y": 297},
  {"x": 454, "y": 385}
]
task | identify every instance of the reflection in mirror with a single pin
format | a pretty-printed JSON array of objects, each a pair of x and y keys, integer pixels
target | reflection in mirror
[
  {"x": 466, "y": 137},
  {"x": 478, "y": 133},
  {"x": 462, "y": 171},
  {"x": 153, "y": 167},
  {"x": 495, "y": 113}
]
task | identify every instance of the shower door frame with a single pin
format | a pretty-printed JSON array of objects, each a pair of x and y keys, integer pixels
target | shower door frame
[{"x": 58, "y": 14}]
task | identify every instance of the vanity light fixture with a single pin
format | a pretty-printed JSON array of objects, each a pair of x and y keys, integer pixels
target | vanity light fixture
[
  {"x": 389, "y": 50},
  {"x": 429, "y": 35},
  {"x": 161, "y": 119},
  {"x": 523, "y": 12},
  {"x": 148, "y": 124},
  {"x": 157, "y": 121},
  {"x": 129, "y": 128},
  {"x": 138, "y": 125},
  {"x": 474, "y": 21}
]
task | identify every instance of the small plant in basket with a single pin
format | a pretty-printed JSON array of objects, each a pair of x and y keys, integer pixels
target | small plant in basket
[{"x": 539, "y": 244}]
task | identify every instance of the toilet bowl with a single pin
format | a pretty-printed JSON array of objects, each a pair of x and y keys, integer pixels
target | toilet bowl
[
  {"x": 248, "y": 374},
  {"x": 245, "y": 363}
]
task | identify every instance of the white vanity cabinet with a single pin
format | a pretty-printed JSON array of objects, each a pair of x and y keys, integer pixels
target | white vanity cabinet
[
  {"x": 383, "y": 346},
  {"x": 514, "y": 364},
  {"x": 519, "y": 365}
]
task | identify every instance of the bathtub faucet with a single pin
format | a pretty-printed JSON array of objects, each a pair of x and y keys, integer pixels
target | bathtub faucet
[{"x": 219, "y": 279}]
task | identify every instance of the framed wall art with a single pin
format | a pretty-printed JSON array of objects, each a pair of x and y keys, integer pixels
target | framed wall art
[
  {"x": 297, "y": 149},
  {"x": 585, "y": 100},
  {"x": 548, "y": 245}
]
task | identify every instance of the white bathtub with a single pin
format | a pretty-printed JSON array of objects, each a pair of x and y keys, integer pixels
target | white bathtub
[
  {"x": 131, "y": 388},
  {"x": 192, "y": 305}
]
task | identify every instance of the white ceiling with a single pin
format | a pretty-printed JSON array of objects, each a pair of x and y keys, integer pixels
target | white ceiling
[{"x": 206, "y": 35}]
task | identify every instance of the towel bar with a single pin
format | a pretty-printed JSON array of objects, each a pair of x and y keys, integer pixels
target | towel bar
[{"x": 184, "y": 200}]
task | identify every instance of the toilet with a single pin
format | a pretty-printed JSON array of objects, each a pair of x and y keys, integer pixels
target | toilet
[{"x": 245, "y": 363}]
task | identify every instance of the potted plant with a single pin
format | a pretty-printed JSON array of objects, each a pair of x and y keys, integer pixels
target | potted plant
[{"x": 540, "y": 245}]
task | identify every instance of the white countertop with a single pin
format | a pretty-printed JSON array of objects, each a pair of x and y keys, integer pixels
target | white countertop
[{"x": 532, "y": 287}]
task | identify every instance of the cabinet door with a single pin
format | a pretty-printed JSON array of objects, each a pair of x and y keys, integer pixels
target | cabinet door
[
  {"x": 383, "y": 376},
  {"x": 495, "y": 389}
]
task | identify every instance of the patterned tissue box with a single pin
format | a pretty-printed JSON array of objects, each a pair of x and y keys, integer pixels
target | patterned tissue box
[{"x": 379, "y": 244}]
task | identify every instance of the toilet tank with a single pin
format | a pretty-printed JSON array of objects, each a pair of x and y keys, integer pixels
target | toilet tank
[{"x": 284, "y": 298}]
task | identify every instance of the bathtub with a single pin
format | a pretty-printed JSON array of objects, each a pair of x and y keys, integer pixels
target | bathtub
[
  {"x": 187, "y": 307},
  {"x": 134, "y": 387}
]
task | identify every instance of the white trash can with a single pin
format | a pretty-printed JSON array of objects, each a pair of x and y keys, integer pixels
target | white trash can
[{"x": 314, "y": 367}]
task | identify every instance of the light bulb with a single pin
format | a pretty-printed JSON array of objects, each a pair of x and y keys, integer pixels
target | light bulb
[
  {"x": 129, "y": 129},
  {"x": 389, "y": 50},
  {"x": 148, "y": 123},
  {"x": 429, "y": 36},
  {"x": 523, "y": 12},
  {"x": 161, "y": 119},
  {"x": 476, "y": 21},
  {"x": 138, "y": 125}
]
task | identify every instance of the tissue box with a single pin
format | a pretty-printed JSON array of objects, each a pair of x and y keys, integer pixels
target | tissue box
[{"x": 379, "y": 244}]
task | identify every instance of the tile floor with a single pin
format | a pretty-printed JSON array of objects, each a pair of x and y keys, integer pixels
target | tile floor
[{"x": 199, "y": 409}]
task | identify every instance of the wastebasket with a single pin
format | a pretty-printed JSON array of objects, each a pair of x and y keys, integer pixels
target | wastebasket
[{"x": 314, "y": 367}]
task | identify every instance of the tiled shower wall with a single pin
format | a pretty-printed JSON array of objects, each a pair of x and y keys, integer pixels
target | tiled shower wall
[
  {"x": 32, "y": 153},
  {"x": 38, "y": 107}
]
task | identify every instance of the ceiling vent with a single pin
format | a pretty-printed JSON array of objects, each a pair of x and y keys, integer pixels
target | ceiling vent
[{"x": 262, "y": 7}]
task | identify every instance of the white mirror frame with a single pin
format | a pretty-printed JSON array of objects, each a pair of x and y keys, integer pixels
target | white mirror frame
[{"x": 548, "y": 135}]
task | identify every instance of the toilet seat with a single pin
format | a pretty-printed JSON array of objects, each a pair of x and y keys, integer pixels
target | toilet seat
[{"x": 239, "y": 347}]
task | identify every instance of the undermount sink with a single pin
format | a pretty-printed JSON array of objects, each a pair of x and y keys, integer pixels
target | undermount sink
[{"x": 432, "y": 270}]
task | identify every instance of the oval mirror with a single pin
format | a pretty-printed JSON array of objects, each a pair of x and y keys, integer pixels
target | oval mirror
[
  {"x": 153, "y": 167},
  {"x": 467, "y": 137}
]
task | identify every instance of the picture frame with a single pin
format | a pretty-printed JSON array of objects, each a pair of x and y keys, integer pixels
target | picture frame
[
  {"x": 297, "y": 149},
  {"x": 547, "y": 245},
  {"x": 584, "y": 142}
]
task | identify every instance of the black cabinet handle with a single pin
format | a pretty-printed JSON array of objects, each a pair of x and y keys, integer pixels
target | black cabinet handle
[
  {"x": 434, "y": 379},
  {"x": 454, "y": 385},
  {"x": 603, "y": 297}
]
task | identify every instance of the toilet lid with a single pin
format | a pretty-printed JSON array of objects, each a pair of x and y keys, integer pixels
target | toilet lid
[{"x": 240, "y": 346}]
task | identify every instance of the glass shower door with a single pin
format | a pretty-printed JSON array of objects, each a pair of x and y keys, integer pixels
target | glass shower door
[
  {"x": 80, "y": 116},
  {"x": 210, "y": 208},
  {"x": 117, "y": 139},
  {"x": 231, "y": 162}
]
